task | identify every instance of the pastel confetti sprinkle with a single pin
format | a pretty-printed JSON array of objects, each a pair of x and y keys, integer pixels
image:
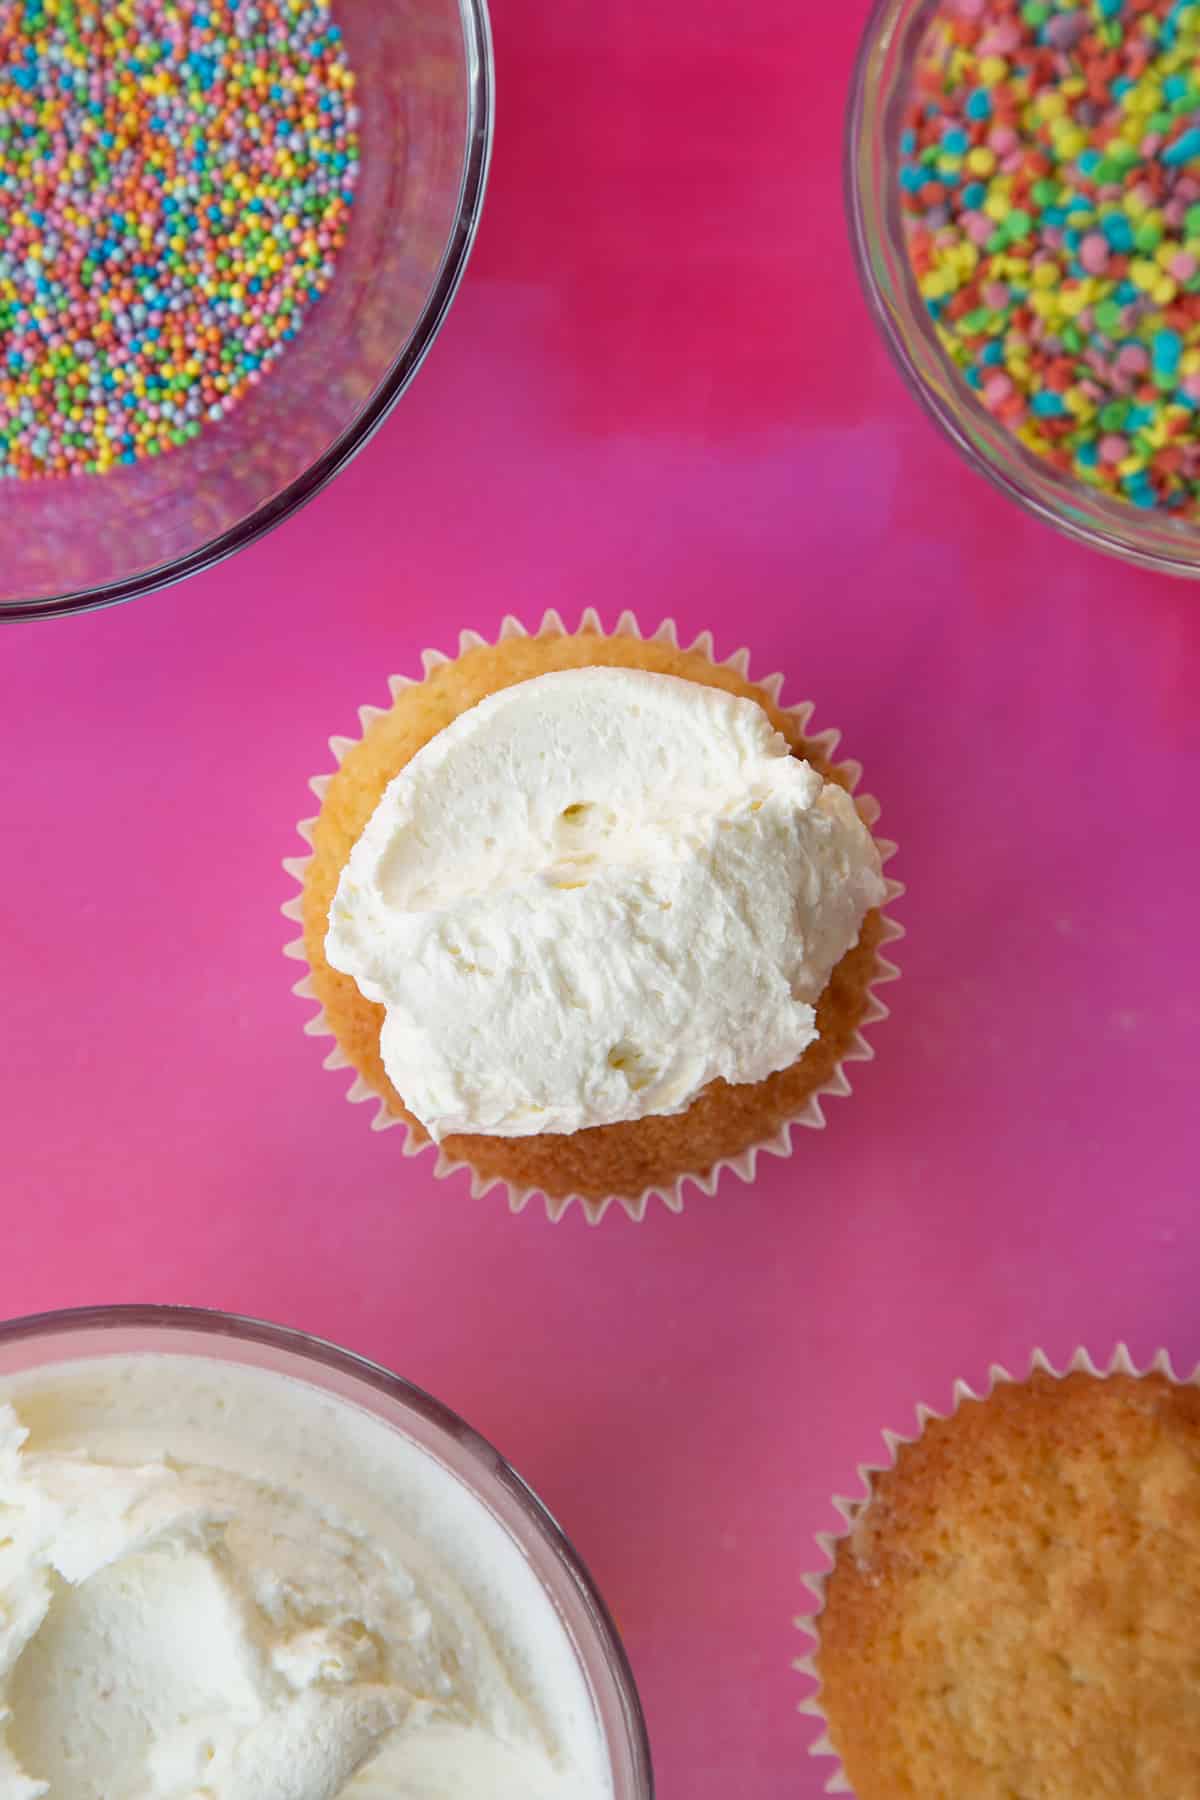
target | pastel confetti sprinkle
[
  {"x": 1050, "y": 182},
  {"x": 176, "y": 179}
]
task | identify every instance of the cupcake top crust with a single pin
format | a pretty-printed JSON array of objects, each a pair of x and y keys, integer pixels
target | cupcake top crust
[
  {"x": 1015, "y": 1612},
  {"x": 593, "y": 894}
]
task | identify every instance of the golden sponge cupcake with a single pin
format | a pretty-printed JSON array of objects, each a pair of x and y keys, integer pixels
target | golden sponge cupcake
[
  {"x": 594, "y": 914},
  {"x": 1015, "y": 1606}
]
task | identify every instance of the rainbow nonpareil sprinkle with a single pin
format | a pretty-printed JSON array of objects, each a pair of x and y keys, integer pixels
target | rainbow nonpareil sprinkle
[
  {"x": 1050, "y": 181},
  {"x": 176, "y": 178}
]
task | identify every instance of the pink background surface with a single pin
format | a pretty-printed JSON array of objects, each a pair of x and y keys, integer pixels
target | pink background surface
[{"x": 658, "y": 389}]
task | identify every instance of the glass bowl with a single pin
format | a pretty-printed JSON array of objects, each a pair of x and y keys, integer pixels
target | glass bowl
[
  {"x": 77, "y": 1336},
  {"x": 879, "y": 90},
  {"x": 426, "y": 101}
]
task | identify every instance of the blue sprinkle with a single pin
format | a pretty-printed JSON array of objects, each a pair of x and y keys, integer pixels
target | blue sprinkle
[
  {"x": 1184, "y": 149},
  {"x": 1166, "y": 351},
  {"x": 1048, "y": 405},
  {"x": 955, "y": 142},
  {"x": 979, "y": 105},
  {"x": 1119, "y": 232}
]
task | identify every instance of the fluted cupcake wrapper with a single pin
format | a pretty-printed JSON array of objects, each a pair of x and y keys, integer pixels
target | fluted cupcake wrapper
[
  {"x": 811, "y": 1116},
  {"x": 851, "y": 1509}
]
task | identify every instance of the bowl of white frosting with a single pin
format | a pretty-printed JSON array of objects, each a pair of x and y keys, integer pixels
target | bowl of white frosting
[{"x": 238, "y": 1563}]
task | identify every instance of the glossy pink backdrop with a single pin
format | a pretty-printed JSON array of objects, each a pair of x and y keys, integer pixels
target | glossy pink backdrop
[{"x": 658, "y": 389}]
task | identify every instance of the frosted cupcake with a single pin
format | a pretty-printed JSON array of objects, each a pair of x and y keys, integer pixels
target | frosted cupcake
[
  {"x": 1015, "y": 1607},
  {"x": 593, "y": 914}
]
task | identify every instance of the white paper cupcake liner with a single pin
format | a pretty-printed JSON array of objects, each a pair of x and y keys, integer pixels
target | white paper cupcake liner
[
  {"x": 1121, "y": 1363},
  {"x": 743, "y": 1166}
]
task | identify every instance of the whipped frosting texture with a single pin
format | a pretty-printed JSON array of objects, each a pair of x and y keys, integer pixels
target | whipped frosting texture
[
  {"x": 591, "y": 895},
  {"x": 179, "y": 1630}
]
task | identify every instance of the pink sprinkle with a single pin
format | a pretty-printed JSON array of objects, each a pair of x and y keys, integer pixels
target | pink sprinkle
[
  {"x": 978, "y": 227},
  {"x": 1113, "y": 447},
  {"x": 995, "y": 295},
  {"x": 1093, "y": 253},
  {"x": 1133, "y": 359},
  {"x": 1183, "y": 266},
  {"x": 1013, "y": 163},
  {"x": 1191, "y": 386},
  {"x": 996, "y": 389},
  {"x": 1001, "y": 40},
  {"x": 1151, "y": 144},
  {"x": 1002, "y": 139}
]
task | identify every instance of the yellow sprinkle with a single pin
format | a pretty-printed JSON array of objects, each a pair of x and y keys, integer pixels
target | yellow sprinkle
[
  {"x": 1072, "y": 300},
  {"x": 1069, "y": 142}
]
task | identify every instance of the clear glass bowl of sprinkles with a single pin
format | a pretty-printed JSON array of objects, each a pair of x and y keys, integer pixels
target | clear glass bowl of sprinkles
[
  {"x": 221, "y": 264},
  {"x": 875, "y": 157}
]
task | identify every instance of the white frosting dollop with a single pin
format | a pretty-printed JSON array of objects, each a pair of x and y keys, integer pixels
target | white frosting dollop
[
  {"x": 592, "y": 894},
  {"x": 229, "y": 1630}
]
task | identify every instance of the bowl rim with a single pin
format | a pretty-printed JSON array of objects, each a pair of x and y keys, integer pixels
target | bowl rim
[
  {"x": 362, "y": 1371},
  {"x": 481, "y": 117},
  {"x": 1110, "y": 542}
]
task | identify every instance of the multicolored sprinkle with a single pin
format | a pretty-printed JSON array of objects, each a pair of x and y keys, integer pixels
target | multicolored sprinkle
[
  {"x": 176, "y": 178},
  {"x": 1050, "y": 181}
]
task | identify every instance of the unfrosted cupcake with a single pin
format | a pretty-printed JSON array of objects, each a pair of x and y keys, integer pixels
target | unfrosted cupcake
[
  {"x": 592, "y": 913},
  {"x": 1015, "y": 1607}
]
